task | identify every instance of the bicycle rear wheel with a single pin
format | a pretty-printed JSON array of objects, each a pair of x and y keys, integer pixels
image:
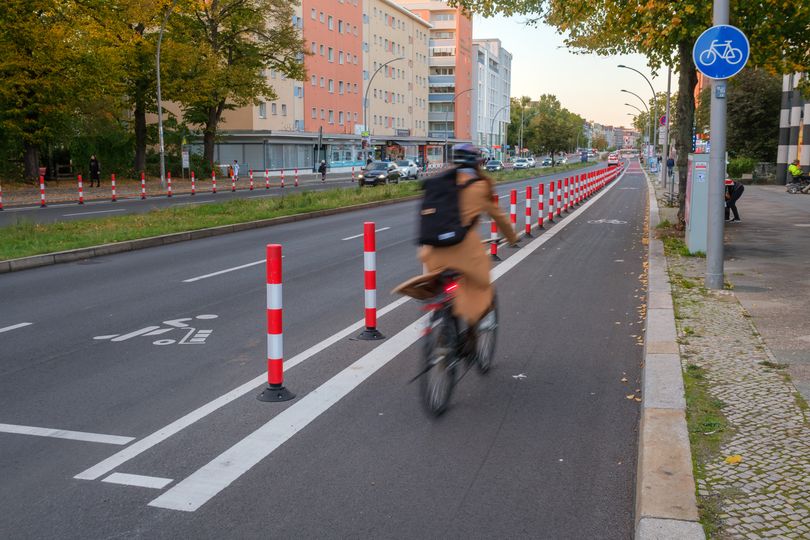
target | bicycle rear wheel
[
  {"x": 486, "y": 334},
  {"x": 441, "y": 362}
]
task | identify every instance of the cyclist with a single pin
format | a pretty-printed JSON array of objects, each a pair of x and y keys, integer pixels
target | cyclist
[{"x": 474, "y": 294}]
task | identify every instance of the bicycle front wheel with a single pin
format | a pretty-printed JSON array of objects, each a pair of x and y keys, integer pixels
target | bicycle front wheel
[
  {"x": 486, "y": 334},
  {"x": 441, "y": 362}
]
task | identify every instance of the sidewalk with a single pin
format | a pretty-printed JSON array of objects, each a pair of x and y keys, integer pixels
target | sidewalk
[{"x": 746, "y": 350}]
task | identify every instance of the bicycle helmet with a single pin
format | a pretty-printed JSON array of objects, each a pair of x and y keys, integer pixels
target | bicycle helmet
[{"x": 466, "y": 155}]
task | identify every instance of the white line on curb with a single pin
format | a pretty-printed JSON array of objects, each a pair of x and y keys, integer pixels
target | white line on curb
[
  {"x": 65, "y": 434},
  {"x": 15, "y": 326},
  {"x": 191, "y": 493}
]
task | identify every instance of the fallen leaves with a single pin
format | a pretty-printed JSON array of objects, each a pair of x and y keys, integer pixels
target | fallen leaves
[{"x": 733, "y": 460}]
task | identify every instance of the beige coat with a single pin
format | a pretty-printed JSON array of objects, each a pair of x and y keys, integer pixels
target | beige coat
[{"x": 474, "y": 293}]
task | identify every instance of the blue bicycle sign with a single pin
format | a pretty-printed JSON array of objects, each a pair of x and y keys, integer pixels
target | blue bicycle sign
[{"x": 721, "y": 52}]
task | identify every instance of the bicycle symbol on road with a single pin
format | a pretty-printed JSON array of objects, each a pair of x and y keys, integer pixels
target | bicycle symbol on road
[
  {"x": 724, "y": 51},
  {"x": 193, "y": 336}
]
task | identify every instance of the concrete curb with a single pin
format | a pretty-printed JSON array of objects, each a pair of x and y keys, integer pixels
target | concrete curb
[
  {"x": 24, "y": 263},
  {"x": 666, "y": 505}
]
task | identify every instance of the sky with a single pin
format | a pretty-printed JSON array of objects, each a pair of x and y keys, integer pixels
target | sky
[{"x": 586, "y": 84}]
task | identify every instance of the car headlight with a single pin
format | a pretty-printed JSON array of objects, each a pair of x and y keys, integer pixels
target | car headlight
[{"x": 381, "y": 176}]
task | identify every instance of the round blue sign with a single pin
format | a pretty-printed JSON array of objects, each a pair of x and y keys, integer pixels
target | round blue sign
[{"x": 721, "y": 51}]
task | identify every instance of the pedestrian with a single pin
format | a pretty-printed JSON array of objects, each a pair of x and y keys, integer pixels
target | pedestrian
[
  {"x": 235, "y": 170},
  {"x": 670, "y": 166},
  {"x": 95, "y": 171},
  {"x": 322, "y": 170},
  {"x": 369, "y": 160},
  {"x": 734, "y": 191}
]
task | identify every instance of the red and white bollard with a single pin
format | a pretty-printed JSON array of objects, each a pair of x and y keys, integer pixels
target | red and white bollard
[
  {"x": 493, "y": 233},
  {"x": 559, "y": 198},
  {"x": 251, "y": 179},
  {"x": 352, "y": 173},
  {"x": 266, "y": 179},
  {"x": 275, "y": 390},
  {"x": 528, "y": 229},
  {"x": 370, "y": 278},
  {"x": 296, "y": 177},
  {"x": 81, "y": 190},
  {"x": 168, "y": 184},
  {"x": 513, "y": 209},
  {"x": 567, "y": 196},
  {"x": 282, "y": 177},
  {"x": 42, "y": 192},
  {"x": 143, "y": 186},
  {"x": 193, "y": 184},
  {"x": 540, "y": 205},
  {"x": 233, "y": 182},
  {"x": 213, "y": 181},
  {"x": 112, "y": 184},
  {"x": 551, "y": 201}
]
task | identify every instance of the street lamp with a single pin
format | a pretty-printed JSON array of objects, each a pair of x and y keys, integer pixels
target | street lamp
[
  {"x": 640, "y": 112},
  {"x": 365, "y": 97},
  {"x": 159, "y": 102},
  {"x": 651, "y": 132},
  {"x": 654, "y": 128},
  {"x": 492, "y": 126},
  {"x": 453, "y": 102}
]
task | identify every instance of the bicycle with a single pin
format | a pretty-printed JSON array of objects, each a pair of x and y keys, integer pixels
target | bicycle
[
  {"x": 450, "y": 347},
  {"x": 724, "y": 51}
]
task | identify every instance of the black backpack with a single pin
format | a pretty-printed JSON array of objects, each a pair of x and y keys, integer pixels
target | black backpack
[{"x": 440, "y": 216}]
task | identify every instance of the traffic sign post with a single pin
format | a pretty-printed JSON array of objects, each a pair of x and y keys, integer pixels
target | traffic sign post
[{"x": 719, "y": 53}]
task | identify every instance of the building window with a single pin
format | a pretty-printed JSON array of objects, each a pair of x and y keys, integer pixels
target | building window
[
  {"x": 331, "y": 116},
  {"x": 365, "y": 75},
  {"x": 330, "y": 23},
  {"x": 283, "y": 109},
  {"x": 313, "y": 48},
  {"x": 314, "y": 80},
  {"x": 340, "y": 26},
  {"x": 323, "y": 115},
  {"x": 331, "y": 86},
  {"x": 331, "y": 55},
  {"x": 340, "y": 57},
  {"x": 321, "y": 16},
  {"x": 273, "y": 109},
  {"x": 340, "y": 87},
  {"x": 313, "y": 14},
  {"x": 340, "y": 118},
  {"x": 314, "y": 112},
  {"x": 322, "y": 82},
  {"x": 322, "y": 49},
  {"x": 262, "y": 110}
]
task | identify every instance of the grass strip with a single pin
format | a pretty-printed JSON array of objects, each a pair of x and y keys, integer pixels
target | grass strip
[{"x": 26, "y": 238}]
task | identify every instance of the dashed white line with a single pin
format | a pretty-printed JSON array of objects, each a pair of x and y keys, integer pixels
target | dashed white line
[
  {"x": 65, "y": 434},
  {"x": 248, "y": 265},
  {"x": 15, "y": 326},
  {"x": 359, "y": 235},
  {"x": 95, "y": 212},
  {"x": 138, "y": 480}
]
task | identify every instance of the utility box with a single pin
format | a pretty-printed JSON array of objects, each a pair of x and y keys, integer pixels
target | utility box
[{"x": 697, "y": 202}]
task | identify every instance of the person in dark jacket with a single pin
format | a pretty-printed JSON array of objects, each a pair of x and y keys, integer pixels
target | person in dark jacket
[
  {"x": 95, "y": 171},
  {"x": 734, "y": 191},
  {"x": 322, "y": 170}
]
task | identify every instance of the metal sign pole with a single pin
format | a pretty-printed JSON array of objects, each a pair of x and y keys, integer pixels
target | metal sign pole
[{"x": 717, "y": 169}]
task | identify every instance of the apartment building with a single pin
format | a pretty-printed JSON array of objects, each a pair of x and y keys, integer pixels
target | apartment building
[
  {"x": 450, "y": 85},
  {"x": 322, "y": 117},
  {"x": 396, "y": 74},
  {"x": 492, "y": 86}
]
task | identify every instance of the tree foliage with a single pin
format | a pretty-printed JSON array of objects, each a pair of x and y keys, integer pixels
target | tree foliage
[
  {"x": 551, "y": 127},
  {"x": 665, "y": 33}
]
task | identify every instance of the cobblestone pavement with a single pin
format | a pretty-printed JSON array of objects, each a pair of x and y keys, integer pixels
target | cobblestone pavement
[{"x": 766, "y": 494}]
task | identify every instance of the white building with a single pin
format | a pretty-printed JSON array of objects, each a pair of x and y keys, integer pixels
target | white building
[{"x": 492, "y": 84}]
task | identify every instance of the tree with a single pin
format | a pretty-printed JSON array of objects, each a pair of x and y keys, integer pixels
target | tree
[
  {"x": 600, "y": 142},
  {"x": 776, "y": 30},
  {"x": 227, "y": 45},
  {"x": 552, "y": 127},
  {"x": 516, "y": 106}
]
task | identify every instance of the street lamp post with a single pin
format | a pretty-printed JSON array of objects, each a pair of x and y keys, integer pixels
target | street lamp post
[
  {"x": 492, "y": 126},
  {"x": 651, "y": 132},
  {"x": 454, "y": 122},
  {"x": 655, "y": 100},
  {"x": 365, "y": 97},
  {"x": 159, "y": 102},
  {"x": 640, "y": 111}
]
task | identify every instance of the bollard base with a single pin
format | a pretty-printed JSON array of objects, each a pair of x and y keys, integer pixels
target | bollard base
[
  {"x": 495, "y": 258},
  {"x": 275, "y": 394},
  {"x": 370, "y": 334}
]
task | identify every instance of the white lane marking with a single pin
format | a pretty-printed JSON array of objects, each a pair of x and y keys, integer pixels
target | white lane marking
[
  {"x": 138, "y": 480},
  {"x": 205, "y": 483},
  {"x": 65, "y": 434},
  {"x": 95, "y": 212},
  {"x": 15, "y": 326},
  {"x": 195, "y": 202},
  {"x": 198, "y": 278},
  {"x": 361, "y": 234},
  {"x": 180, "y": 424}
]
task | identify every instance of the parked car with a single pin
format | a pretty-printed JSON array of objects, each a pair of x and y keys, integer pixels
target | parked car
[
  {"x": 494, "y": 165},
  {"x": 379, "y": 172},
  {"x": 532, "y": 162},
  {"x": 613, "y": 159},
  {"x": 522, "y": 163},
  {"x": 562, "y": 160},
  {"x": 546, "y": 162},
  {"x": 407, "y": 168}
]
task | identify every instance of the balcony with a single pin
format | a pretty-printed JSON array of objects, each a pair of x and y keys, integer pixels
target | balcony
[
  {"x": 442, "y": 43},
  {"x": 439, "y": 116},
  {"x": 443, "y": 25},
  {"x": 441, "y": 61},
  {"x": 442, "y": 80},
  {"x": 437, "y": 98}
]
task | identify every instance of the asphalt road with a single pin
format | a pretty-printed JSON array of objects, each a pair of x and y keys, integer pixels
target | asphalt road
[{"x": 542, "y": 447}]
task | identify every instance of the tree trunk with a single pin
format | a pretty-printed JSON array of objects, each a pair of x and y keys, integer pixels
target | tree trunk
[
  {"x": 31, "y": 161},
  {"x": 210, "y": 132},
  {"x": 686, "y": 117}
]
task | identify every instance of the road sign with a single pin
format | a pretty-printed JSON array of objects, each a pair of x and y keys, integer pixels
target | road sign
[
  {"x": 663, "y": 120},
  {"x": 721, "y": 51},
  {"x": 185, "y": 159}
]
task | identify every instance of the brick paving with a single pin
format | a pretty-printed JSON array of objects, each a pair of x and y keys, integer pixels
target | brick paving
[{"x": 767, "y": 494}]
